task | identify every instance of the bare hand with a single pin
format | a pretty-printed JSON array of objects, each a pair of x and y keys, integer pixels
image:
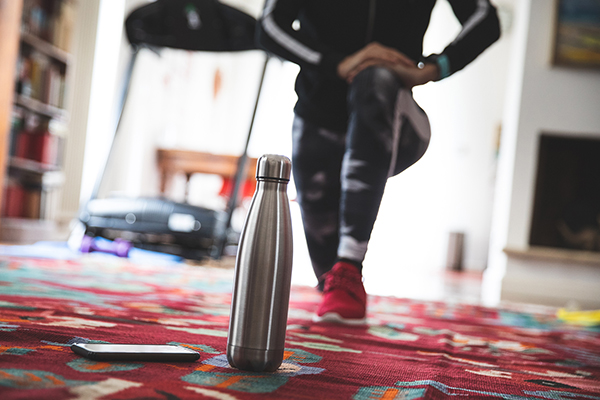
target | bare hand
[
  {"x": 413, "y": 76},
  {"x": 372, "y": 54}
]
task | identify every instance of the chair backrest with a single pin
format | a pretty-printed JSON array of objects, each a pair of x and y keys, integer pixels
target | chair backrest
[{"x": 198, "y": 25}]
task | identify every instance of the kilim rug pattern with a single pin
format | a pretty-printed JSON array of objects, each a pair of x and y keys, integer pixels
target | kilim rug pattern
[{"x": 410, "y": 349}]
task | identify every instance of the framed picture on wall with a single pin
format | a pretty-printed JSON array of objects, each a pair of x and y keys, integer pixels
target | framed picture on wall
[{"x": 577, "y": 42}]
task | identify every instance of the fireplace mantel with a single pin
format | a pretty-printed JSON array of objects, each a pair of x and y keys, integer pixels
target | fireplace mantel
[
  {"x": 554, "y": 254},
  {"x": 551, "y": 276}
]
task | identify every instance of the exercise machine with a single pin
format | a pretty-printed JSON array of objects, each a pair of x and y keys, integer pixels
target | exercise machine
[{"x": 156, "y": 223}]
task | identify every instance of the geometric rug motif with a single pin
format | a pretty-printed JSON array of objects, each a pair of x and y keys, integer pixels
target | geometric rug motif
[{"x": 409, "y": 349}]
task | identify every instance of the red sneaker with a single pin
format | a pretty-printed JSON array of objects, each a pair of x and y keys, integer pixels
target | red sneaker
[{"x": 344, "y": 297}]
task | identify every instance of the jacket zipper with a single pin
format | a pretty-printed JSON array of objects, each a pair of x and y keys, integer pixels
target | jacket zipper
[{"x": 371, "y": 22}]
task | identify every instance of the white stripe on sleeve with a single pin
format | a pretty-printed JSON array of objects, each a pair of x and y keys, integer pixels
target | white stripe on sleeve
[
  {"x": 285, "y": 40},
  {"x": 483, "y": 8}
]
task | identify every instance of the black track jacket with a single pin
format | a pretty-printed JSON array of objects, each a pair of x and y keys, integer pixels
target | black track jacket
[{"x": 330, "y": 30}]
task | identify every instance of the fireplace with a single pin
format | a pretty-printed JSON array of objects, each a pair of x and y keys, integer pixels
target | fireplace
[{"x": 566, "y": 210}]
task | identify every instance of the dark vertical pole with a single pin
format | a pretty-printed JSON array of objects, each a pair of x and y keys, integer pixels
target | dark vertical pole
[
  {"x": 240, "y": 177},
  {"x": 119, "y": 115}
]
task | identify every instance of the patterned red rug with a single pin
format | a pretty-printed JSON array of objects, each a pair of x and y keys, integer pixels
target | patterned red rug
[{"x": 410, "y": 350}]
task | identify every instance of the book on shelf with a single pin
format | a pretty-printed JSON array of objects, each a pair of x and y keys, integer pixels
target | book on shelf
[
  {"x": 16, "y": 126},
  {"x": 63, "y": 25},
  {"x": 32, "y": 202},
  {"x": 43, "y": 148},
  {"x": 50, "y": 195},
  {"x": 22, "y": 201},
  {"x": 23, "y": 137},
  {"x": 54, "y": 84},
  {"x": 41, "y": 79},
  {"x": 23, "y": 147},
  {"x": 35, "y": 18},
  {"x": 36, "y": 139},
  {"x": 49, "y": 20},
  {"x": 39, "y": 64},
  {"x": 12, "y": 206}
]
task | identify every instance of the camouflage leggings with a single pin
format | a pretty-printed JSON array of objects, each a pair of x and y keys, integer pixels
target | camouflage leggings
[{"x": 340, "y": 176}]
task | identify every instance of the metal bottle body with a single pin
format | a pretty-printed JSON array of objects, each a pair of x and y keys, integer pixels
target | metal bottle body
[{"x": 263, "y": 274}]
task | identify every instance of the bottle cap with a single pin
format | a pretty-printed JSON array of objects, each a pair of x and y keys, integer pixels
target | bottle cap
[{"x": 273, "y": 166}]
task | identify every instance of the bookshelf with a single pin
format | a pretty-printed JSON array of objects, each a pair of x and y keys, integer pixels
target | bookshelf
[{"x": 38, "y": 120}]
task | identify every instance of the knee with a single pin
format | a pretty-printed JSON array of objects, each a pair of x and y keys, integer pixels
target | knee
[
  {"x": 374, "y": 83},
  {"x": 376, "y": 75}
]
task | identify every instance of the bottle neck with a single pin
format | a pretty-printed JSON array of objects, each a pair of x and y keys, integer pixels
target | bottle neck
[{"x": 278, "y": 185}]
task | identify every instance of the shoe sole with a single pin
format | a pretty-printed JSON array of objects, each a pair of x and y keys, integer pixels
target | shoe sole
[{"x": 338, "y": 319}]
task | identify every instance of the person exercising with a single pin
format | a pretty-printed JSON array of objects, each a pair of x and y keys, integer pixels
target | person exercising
[{"x": 356, "y": 123}]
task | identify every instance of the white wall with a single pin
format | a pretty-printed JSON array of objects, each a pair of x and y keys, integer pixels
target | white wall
[
  {"x": 544, "y": 98},
  {"x": 102, "y": 98},
  {"x": 80, "y": 87}
]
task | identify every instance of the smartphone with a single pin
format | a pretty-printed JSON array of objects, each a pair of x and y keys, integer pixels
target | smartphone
[{"x": 134, "y": 352}]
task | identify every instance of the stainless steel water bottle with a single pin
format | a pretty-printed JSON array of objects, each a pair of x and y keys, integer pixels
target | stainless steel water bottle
[{"x": 263, "y": 272}]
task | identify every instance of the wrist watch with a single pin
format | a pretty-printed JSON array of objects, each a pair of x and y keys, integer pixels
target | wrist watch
[{"x": 442, "y": 62}]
